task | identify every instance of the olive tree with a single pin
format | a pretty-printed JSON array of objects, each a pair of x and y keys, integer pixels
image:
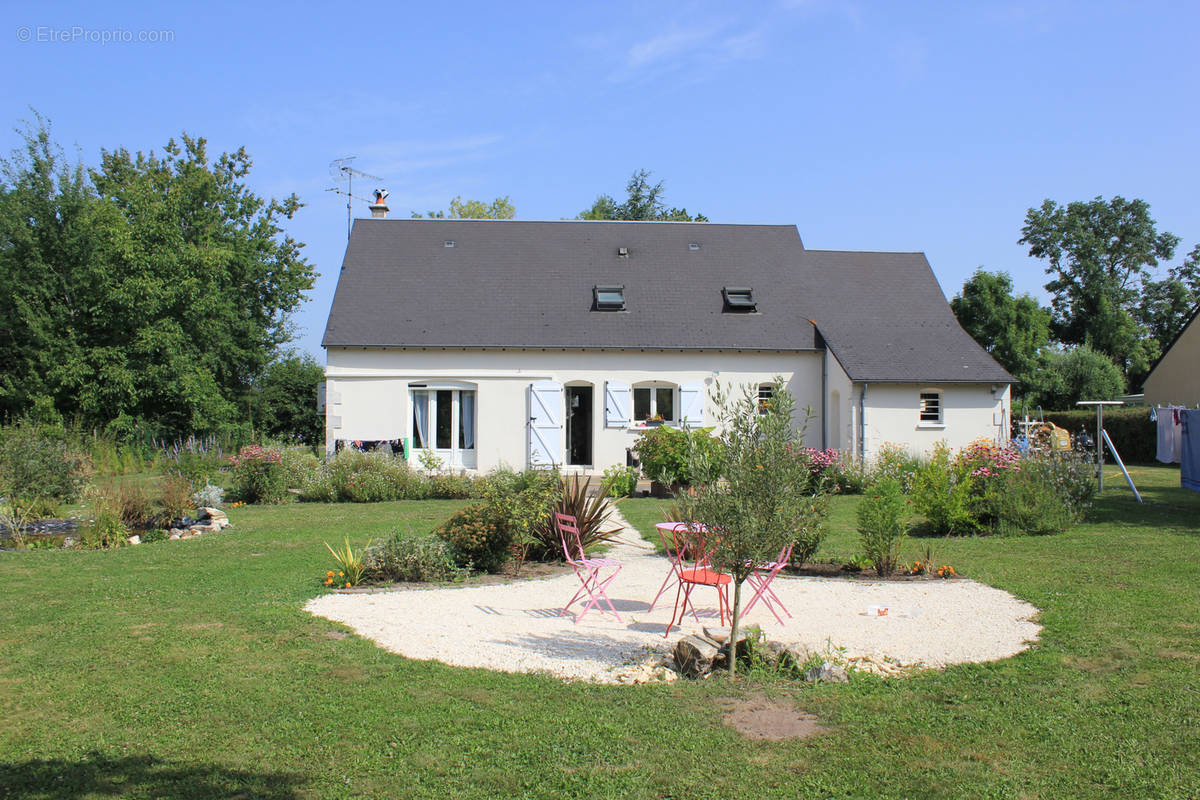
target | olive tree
[{"x": 757, "y": 492}]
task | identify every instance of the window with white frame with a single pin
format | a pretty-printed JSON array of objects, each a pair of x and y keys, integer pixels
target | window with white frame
[
  {"x": 766, "y": 391},
  {"x": 443, "y": 419},
  {"x": 931, "y": 408},
  {"x": 653, "y": 404}
]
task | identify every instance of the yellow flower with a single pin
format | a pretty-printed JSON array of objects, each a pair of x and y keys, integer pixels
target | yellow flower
[{"x": 341, "y": 574}]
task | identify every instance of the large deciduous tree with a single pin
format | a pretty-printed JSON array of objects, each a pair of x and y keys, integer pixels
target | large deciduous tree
[
  {"x": 1098, "y": 252},
  {"x": 1013, "y": 328},
  {"x": 1168, "y": 304},
  {"x": 644, "y": 202},
  {"x": 285, "y": 405},
  {"x": 149, "y": 292}
]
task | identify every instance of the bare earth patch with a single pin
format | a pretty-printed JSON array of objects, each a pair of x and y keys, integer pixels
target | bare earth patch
[
  {"x": 515, "y": 626},
  {"x": 770, "y": 720}
]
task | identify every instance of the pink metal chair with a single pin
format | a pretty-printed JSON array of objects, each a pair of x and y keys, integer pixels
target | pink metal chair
[
  {"x": 760, "y": 580},
  {"x": 696, "y": 545},
  {"x": 588, "y": 570}
]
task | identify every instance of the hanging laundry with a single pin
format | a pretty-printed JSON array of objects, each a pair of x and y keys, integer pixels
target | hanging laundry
[
  {"x": 1189, "y": 463},
  {"x": 1168, "y": 434},
  {"x": 1167, "y": 452}
]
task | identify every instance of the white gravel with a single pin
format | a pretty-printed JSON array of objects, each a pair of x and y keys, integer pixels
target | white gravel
[{"x": 516, "y": 627}]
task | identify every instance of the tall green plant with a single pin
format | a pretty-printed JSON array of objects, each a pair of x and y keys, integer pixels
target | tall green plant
[
  {"x": 753, "y": 494},
  {"x": 882, "y": 521}
]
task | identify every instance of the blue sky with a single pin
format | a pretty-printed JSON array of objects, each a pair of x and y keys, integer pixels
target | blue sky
[{"x": 869, "y": 125}]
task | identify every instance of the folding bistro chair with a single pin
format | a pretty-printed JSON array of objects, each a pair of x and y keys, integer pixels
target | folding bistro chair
[
  {"x": 760, "y": 580},
  {"x": 697, "y": 544},
  {"x": 588, "y": 570},
  {"x": 666, "y": 533}
]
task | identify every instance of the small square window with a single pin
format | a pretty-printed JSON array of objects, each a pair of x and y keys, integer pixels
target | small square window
[
  {"x": 931, "y": 407},
  {"x": 609, "y": 298},
  {"x": 449, "y": 243},
  {"x": 739, "y": 298}
]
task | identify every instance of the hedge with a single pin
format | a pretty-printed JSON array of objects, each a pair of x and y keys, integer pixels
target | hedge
[{"x": 1131, "y": 429}]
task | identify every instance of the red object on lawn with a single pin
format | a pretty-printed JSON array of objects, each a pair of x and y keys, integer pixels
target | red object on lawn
[
  {"x": 588, "y": 570},
  {"x": 696, "y": 545},
  {"x": 760, "y": 578}
]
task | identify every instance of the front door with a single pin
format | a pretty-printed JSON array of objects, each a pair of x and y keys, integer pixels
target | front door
[{"x": 579, "y": 426}]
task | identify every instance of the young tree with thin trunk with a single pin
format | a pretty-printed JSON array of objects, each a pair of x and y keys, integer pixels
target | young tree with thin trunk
[{"x": 756, "y": 493}]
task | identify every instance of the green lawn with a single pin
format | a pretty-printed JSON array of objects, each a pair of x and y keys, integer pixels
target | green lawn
[{"x": 188, "y": 669}]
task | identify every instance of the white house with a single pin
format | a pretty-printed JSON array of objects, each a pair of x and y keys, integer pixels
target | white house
[{"x": 535, "y": 343}]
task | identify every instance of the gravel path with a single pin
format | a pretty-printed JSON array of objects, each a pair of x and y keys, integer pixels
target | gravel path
[{"x": 516, "y": 627}]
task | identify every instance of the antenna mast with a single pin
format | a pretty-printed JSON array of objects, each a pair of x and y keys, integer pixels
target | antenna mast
[{"x": 341, "y": 170}]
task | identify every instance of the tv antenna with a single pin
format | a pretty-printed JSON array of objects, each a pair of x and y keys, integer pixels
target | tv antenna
[{"x": 341, "y": 171}]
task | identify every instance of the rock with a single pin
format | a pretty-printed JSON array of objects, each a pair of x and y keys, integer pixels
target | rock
[
  {"x": 772, "y": 650},
  {"x": 70, "y": 541},
  {"x": 135, "y": 539},
  {"x": 208, "y": 512},
  {"x": 174, "y": 535},
  {"x": 203, "y": 528},
  {"x": 717, "y": 635},
  {"x": 827, "y": 673},
  {"x": 795, "y": 656},
  {"x": 694, "y": 656}
]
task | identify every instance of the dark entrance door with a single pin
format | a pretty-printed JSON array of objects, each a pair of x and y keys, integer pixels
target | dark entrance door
[{"x": 579, "y": 425}]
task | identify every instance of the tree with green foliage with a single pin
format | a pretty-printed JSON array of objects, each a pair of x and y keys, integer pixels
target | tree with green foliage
[
  {"x": 644, "y": 202},
  {"x": 756, "y": 493},
  {"x": 1072, "y": 374},
  {"x": 500, "y": 208},
  {"x": 1167, "y": 305},
  {"x": 285, "y": 405},
  {"x": 1013, "y": 328},
  {"x": 149, "y": 293},
  {"x": 1096, "y": 252}
]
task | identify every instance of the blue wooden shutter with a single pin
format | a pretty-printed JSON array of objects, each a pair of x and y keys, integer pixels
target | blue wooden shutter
[
  {"x": 618, "y": 404},
  {"x": 691, "y": 404},
  {"x": 545, "y": 424}
]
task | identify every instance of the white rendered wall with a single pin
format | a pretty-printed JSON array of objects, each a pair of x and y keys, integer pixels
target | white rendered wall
[
  {"x": 370, "y": 388},
  {"x": 969, "y": 412}
]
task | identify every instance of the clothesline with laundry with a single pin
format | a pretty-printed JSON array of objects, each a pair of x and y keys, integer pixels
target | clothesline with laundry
[{"x": 1179, "y": 441}]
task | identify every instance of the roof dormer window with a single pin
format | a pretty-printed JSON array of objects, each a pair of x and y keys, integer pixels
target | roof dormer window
[
  {"x": 608, "y": 298},
  {"x": 739, "y": 298}
]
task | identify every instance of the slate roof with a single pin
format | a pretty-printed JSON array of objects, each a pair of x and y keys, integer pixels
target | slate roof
[{"x": 529, "y": 284}]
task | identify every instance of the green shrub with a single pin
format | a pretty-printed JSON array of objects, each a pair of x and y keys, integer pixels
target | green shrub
[
  {"x": 299, "y": 466},
  {"x": 1047, "y": 494},
  {"x": 478, "y": 536},
  {"x": 523, "y": 501},
  {"x": 175, "y": 496},
  {"x": 258, "y": 475},
  {"x": 663, "y": 452},
  {"x": 404, "y": 557},
  {"x": 895, "y": 462},
  {"x": 104, "y": 530},
  {"x": 619, "y": 481},
  {"x": 154, "y": 535},
  {"x": 135, "y": 506},
  {"x": 942, "y": 493},
  {"x": 882, "y": 521},
  {"x": 40, "y": 466},
  {"x": 451, "y": 486}
]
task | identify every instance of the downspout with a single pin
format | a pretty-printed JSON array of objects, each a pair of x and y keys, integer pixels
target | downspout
[
  {"x": 824, "y": 391},
  {"x": 862, "y": 426}
]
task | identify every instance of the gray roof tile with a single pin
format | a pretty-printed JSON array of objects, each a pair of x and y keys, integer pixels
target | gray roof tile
[{"x": 529, "y": 284}]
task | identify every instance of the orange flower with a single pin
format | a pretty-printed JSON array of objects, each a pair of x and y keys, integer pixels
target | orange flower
[
  {"x": 329, "y": 574},
  {"x": 347, "y": 586},
  {"x": 341, "y": 574},
  {"x": 328, "y": 581}
]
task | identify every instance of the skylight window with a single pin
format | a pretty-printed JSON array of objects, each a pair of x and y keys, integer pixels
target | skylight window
[
  {"x": 739, "y": 298},
  {"x": 609, "y": 298}
]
